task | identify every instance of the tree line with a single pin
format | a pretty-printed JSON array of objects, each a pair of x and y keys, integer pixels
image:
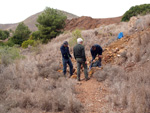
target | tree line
[
  {"x": 136, "y": 10},
  {"x": 50, "y": 24}
]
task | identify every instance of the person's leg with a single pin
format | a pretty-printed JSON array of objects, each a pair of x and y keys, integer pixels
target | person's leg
[
  {"x": 99, "y": 63},
  {"x": 90, "y": 65},
  {"x": 78, "y": 70},
  {"x": 71, "y": 67},
  {"x": 85, "y": 70},
  {"x": 64, "y": 66}
]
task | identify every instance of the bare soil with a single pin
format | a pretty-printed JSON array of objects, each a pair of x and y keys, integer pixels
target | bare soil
[
  {"x": 85, "y": 22},
  {"x": 92, "y": 95}
]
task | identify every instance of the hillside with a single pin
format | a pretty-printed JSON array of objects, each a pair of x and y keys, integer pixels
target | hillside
[
  {"x": 35, "y": 83},
  {"x": 72, "y": 22},
  {"x": 31, "y": 21},
  {"x": 89, "y": 23}
]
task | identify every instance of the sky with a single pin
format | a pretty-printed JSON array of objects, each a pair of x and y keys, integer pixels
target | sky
[{"x": 14, "y": 11}]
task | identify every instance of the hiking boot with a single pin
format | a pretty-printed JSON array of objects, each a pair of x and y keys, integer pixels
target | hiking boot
[
  {"x": 78, "y": 79},
  {"x": 70, "y": 76},
  {"x": 87, "y": 79}
]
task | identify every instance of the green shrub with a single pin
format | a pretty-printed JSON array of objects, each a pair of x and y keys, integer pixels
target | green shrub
[
  {"x": 25, "y": 44},
  {"x": 4, "y": 34},
  {"x": 50, "y": 24},
  {"x": 9, "y": 54},
  {"x": 1, "y": 43},
  {"x": 21, "y": 34},
  {"x": 136, "y": 10},
  {"x": 9, "y": 43},
  {"x": 35, "y": 35},
  {"x": 75, "y": 34}
]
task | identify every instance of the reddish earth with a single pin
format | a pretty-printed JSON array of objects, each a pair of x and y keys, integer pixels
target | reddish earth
[
  {"x": 89, "y": 23},
  {"x": 92, "y": 95}
]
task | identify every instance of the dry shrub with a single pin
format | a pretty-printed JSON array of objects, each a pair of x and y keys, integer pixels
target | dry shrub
[
  {"x": 137, "y": 50},
  {"x": 22, "y": 92},
  {"x": 142, "y": 22},
  {"x": 33, "y": 85},
  {"x": 129, "y": 92}
]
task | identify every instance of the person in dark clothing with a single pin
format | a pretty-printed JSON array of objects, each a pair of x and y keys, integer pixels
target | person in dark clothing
[
  {"x": 96, "y": 50},
  {"x": 66, "y": 58},
  {"x": 79, "y": 54}
]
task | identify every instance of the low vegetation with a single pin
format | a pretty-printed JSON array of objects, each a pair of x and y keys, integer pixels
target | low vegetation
[
  {"x": 8, "y": 55},
  {"x": 4, "y": 34},
  {"x": 27, "y": 43},
  {"x": 75, "y": 35},
  {"x": 34, "y": 85},
  {"x": 128, "y": 83}
]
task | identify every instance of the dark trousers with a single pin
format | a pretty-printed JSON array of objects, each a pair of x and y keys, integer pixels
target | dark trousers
[
  {"x": 96, "y": 64},
  {"x": 65, "y": 62},
  {"x": 79, "y": 63},
  {"x": 99, "y": 63}
]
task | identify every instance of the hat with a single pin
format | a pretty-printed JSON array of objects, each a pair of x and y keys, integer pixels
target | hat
[
  {"x": 79, "y": 40},
  {"x": 65, "y": 43}
]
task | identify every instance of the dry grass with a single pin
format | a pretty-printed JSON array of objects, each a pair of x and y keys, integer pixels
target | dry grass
[
  {"x": 129, "y": 91},
  {"x": 105, "y": 35},
  {"x": 33, "y": 85},
  {"x": 129, "y": 83}
]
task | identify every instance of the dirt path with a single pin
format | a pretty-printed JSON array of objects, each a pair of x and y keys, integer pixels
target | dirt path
[{"x": 92, "y": 95}]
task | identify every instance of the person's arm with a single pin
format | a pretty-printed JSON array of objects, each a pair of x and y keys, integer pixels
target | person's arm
[
  {"x": 100, "y": 50},
  {"x": 83, "y": 54},
  {"x": 69, "y": 53},
  {"x": 93, "y": 56},
  {"x": 64, "y": 53},
  {"x": 74, "y": 53}
]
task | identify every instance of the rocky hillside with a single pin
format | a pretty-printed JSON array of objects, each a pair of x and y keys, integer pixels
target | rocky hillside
[
  {"x": 31, "y": 21},
  {"x": 89, "y": 23},
  {"x": 72, "y": 22},
  {"x": 35, "y": 83}
]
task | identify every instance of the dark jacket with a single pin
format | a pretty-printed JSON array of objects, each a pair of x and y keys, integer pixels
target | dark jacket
[
  {"x": 98, "y": 51},
  {"x": 79, "y": 52},
  {"x": 65, "y": 52}
]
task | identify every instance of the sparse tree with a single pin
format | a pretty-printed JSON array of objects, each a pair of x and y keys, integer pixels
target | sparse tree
[
  {"x": 50, "y": 23},
  {"x": 4, "y": 34},
  {"x": 21, "y": 34}
]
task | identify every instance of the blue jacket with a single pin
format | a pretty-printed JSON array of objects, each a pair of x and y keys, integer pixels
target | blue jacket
[
  {"x": 120, "y": 35},
  {"x": 98, "y": 51},
  {"x": 65, "y": 52}
]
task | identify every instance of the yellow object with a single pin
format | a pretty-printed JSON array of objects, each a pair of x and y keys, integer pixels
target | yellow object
[{"x": 74, "y": 76}]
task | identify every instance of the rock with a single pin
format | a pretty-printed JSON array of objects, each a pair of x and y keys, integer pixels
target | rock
[
  {"x": 132, "y": 21},
  {"x": 60, "y": 70},
  {"x": 74, "y": 76}
]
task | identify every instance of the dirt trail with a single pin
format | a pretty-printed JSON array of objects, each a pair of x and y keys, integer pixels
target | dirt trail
[{"x": 92, "y": 95}]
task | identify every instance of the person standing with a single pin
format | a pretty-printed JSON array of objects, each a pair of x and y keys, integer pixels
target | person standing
[
  {"x": 79, "y": 54},
  {"x": 96, "y": 50},
  {"x": 66, "y": 58}
]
